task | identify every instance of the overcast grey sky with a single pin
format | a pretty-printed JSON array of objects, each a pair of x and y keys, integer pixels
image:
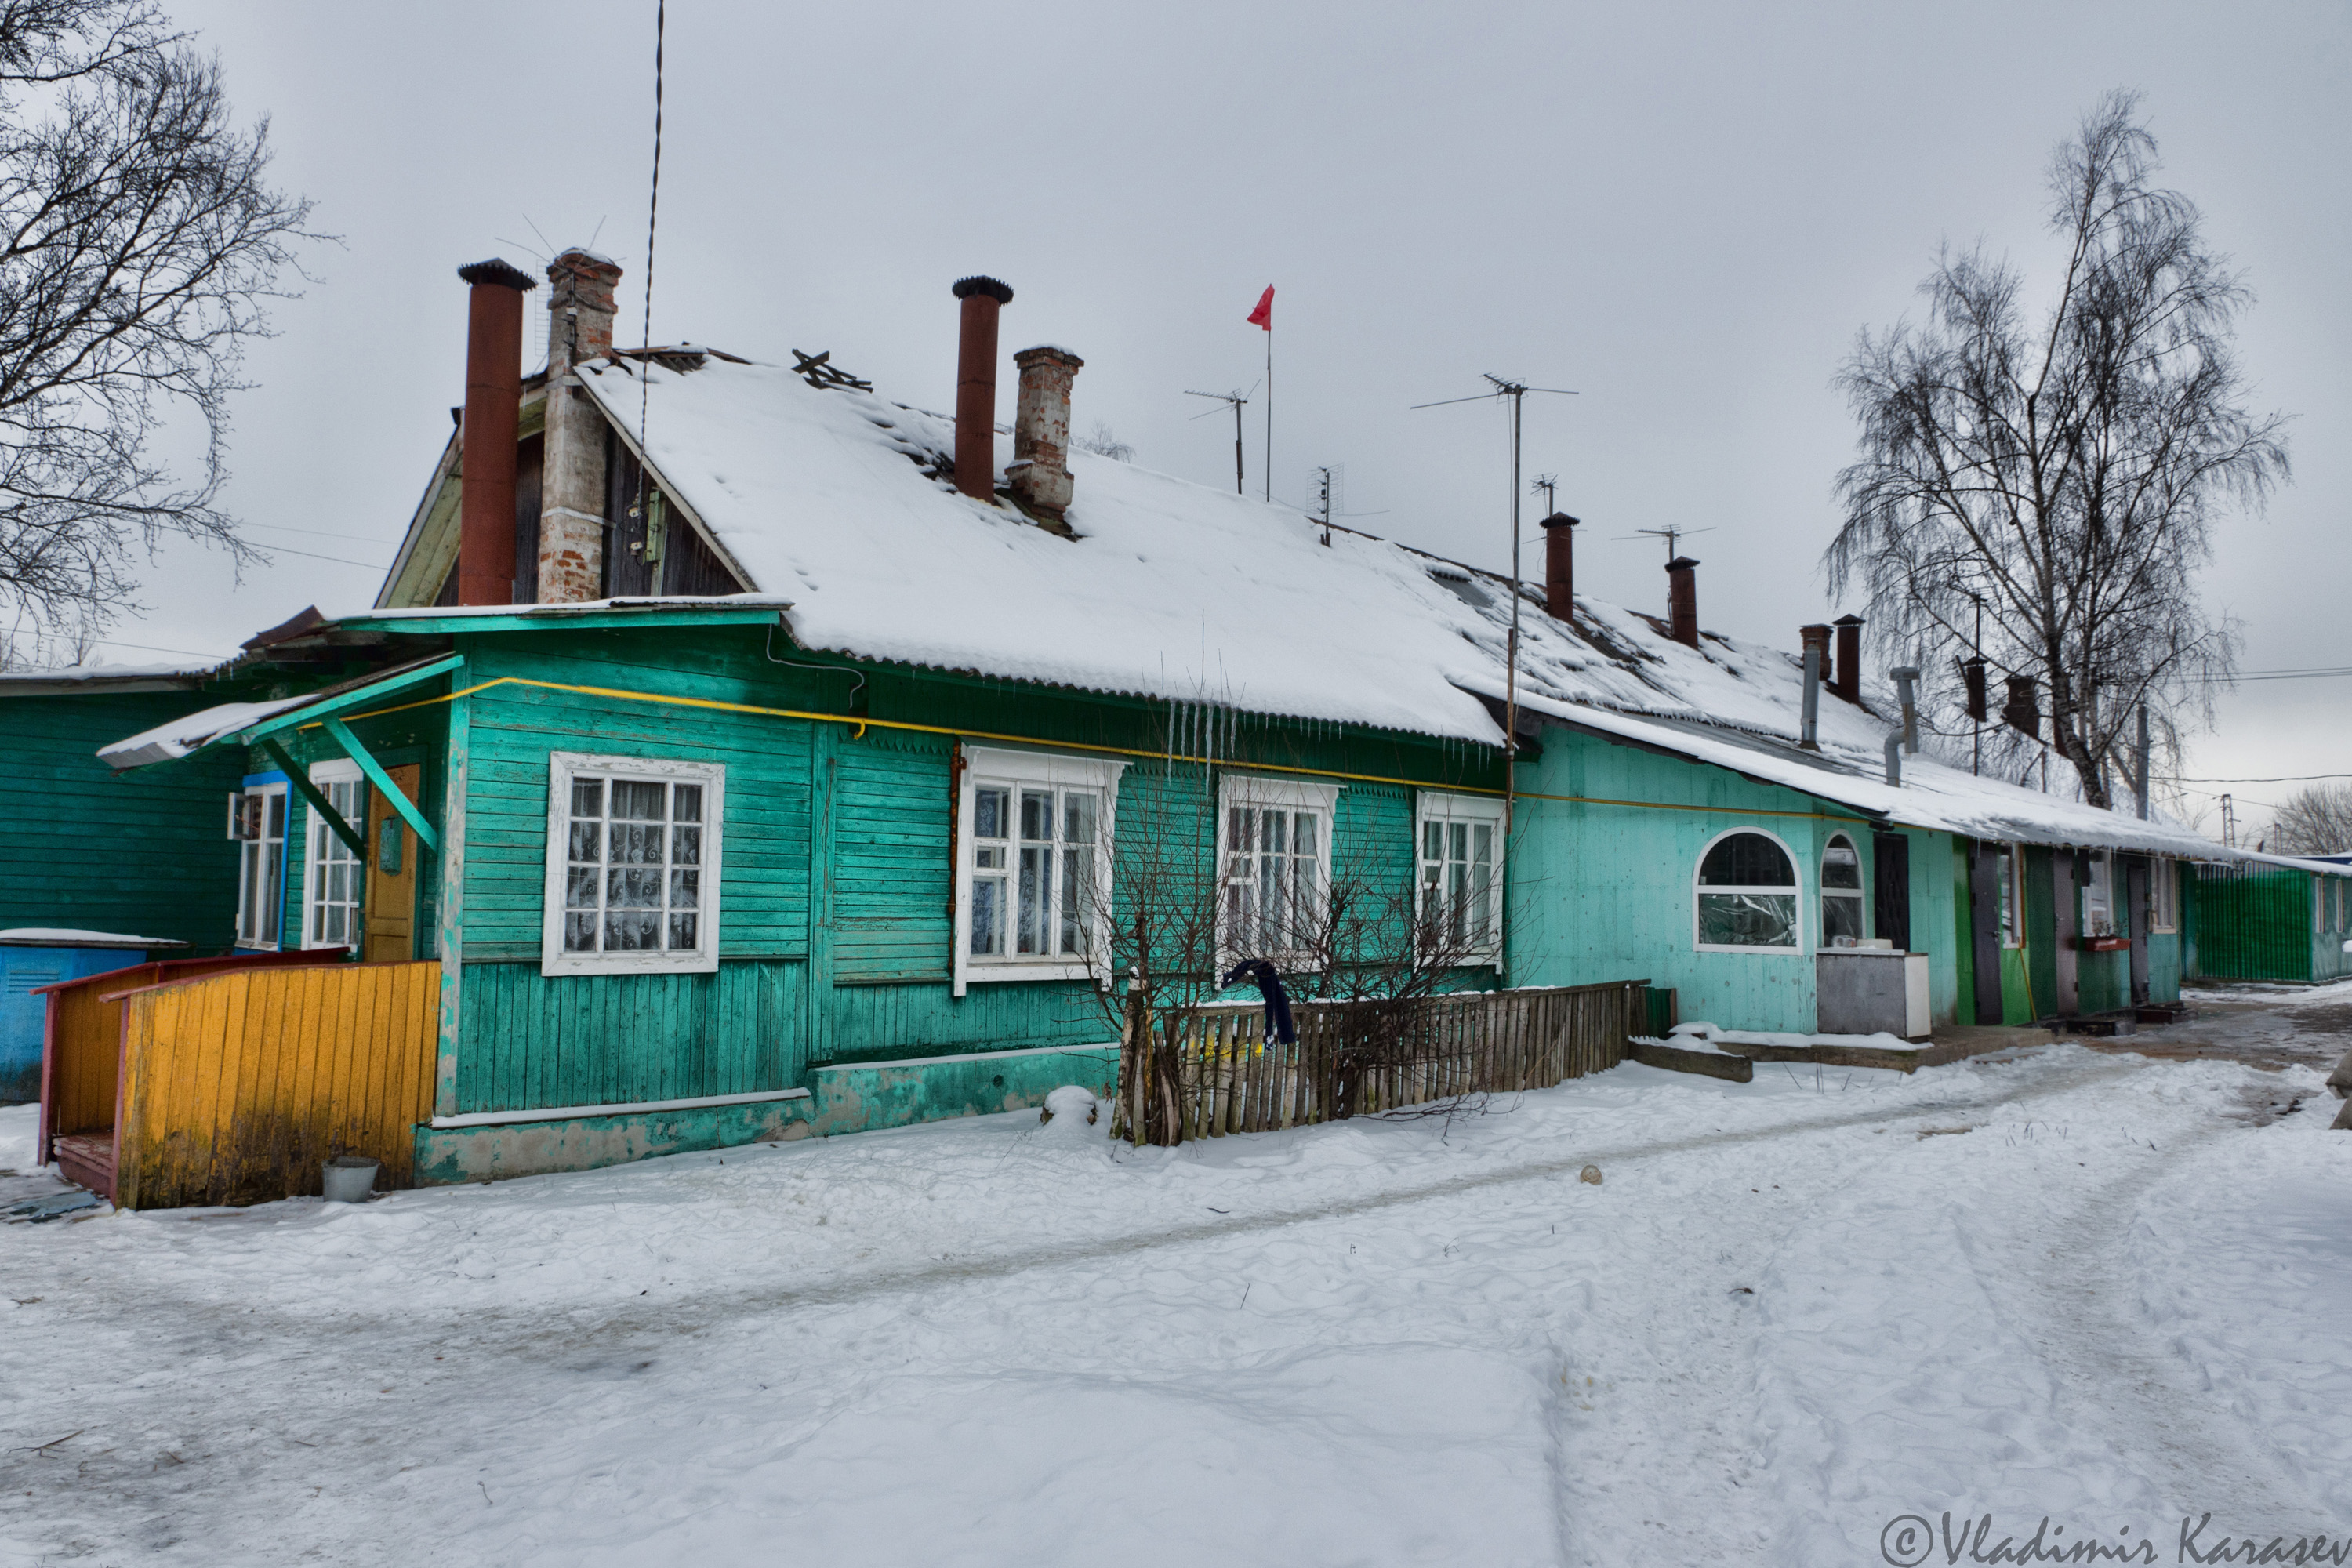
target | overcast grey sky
[{"x": 1686, "y": 213}]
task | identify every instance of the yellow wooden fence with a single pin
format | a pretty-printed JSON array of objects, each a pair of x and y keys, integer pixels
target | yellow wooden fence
[{"x": 236, "y": 1086}]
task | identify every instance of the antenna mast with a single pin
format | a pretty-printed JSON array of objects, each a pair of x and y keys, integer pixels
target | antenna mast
[
  {"x": 1517, "y": 391},
  {"x": 1237, "y": 399}
]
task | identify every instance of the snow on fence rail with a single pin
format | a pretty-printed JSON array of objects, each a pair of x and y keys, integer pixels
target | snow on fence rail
[{"x": 1356, "y": 1058}]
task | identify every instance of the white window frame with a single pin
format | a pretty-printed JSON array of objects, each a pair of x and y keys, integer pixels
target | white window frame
[
  {"x": 1012, "y": 769},
  {"x": 1796, "y": 867},
  {"x": 1444, "y": 806},
  {"x": 2099, "y": 896},
  {"x": 1859, "y": 893},
  {"x": 264, "y": 788},
  {"x": 322, "y": 839},
  {"x": 1254, "y": 792},
  {"x": 563, "y": 768},
  {"x": 2164, "y": 896}
]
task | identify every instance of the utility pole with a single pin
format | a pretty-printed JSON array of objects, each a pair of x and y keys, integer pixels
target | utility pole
[{"x": 1238, "y": 399}]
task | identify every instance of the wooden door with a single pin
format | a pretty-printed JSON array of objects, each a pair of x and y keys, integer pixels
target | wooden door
[
  {"x": 1984, "y": 929},
  {"x": 392, "y": 874}
]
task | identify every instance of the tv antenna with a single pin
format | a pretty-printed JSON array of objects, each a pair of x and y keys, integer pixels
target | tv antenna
[
  {"x": 1517, "y": 391},
  {"x": 1670, "y": 533},
  {"x": 1550, "y": 485},
  {"x": 1237, "y": 399}
]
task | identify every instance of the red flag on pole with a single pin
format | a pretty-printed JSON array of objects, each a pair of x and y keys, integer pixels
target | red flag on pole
[{"x": 1264, "y": 315}]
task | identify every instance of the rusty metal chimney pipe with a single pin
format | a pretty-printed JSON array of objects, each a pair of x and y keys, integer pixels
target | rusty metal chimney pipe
[
  {"x": 486, "y": 488},
  {"x": 1847, "y": 679},
  {"x": 1906, "y": 683},
  {"x": 1682, "y": 600},
  {"x": 975, "y": 439},
  {"x": 1560, "y": 566}
]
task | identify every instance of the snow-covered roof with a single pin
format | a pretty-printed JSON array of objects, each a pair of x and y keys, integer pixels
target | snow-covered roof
[
  {"x": 827, "y": 499},
  {"x": 70, "y": 680},
  {"x": 2320, "y": 865},
  {"x": 69, "y": 936},
  {"x": 192, "y": 732},
  {"x": 831, "y": 504}
]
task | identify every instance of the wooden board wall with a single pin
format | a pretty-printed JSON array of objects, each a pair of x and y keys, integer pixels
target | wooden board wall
[
  {"x": 236, "y": 1086},
  {"x": 143, "y": 853}
]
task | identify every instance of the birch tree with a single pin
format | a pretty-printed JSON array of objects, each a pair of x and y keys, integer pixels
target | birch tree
[
  {"x": 2048, "y": 458},
  {"x": 139, "y": 237}
]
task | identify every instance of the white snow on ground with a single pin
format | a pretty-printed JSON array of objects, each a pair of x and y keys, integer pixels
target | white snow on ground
[{"x": 1794, "y": 1309}]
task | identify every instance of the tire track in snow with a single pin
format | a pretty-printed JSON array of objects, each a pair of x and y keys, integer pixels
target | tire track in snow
[{"x": 2067, "y": 1287}]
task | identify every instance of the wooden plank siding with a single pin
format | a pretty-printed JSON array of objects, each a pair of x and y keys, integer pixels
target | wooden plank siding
[
  {"x": 236, "y": 1085},
  {"x": 144, "y": 853},
  {"x": 834, "y": 919}
]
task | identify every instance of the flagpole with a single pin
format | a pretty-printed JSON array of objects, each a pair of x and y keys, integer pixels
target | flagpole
[{"x": 1269, "y": 408}]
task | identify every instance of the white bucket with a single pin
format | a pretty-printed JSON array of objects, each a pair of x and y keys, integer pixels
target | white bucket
[{"x": 349, "y": 1178}]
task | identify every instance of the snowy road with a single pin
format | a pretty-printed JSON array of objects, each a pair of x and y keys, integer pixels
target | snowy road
[{"x": 1795, "y": 1311}]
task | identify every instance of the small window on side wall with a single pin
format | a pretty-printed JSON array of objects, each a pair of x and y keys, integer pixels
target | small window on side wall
[
  {"x": 1458, "y": 897},
  {"x": 1274, "y": 856},
  {"x": 633, "y": 865},
  {"x": 2163, "y": 896},
  {"x": 1840, "y": 893},
  {"x": 1035, "y": 833},
  {"x": 1747, "y": 896}
]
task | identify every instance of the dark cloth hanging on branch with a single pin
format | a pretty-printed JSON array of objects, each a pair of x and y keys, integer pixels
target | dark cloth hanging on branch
[{"x": 1268, "y": 980}]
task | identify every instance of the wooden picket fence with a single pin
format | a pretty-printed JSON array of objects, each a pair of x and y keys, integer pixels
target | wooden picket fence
[{"x": 1230, "y": 1080}]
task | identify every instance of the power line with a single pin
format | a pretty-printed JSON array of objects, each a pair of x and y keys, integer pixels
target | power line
[
  {"x": 2288, "y": 778},
  {"x": 2272, "y": 675}
]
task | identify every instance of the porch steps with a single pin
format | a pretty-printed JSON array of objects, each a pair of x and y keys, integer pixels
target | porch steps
[{"x": 87, "y": 1160}]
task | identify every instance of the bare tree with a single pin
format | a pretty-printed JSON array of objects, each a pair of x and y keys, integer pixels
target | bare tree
[
  {"x": 2059, "y": 473},
  {"x": 139, "y": 239},
  {"x": 1103, "y": 441},
  {"x": 2315, "y": 820}
]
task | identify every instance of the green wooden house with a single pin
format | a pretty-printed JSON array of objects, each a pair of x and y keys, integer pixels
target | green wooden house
[{"x": 761, "y": 757}]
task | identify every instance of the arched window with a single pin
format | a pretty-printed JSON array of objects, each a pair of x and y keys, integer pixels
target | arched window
[
  {"x": 1841, "y": 890},
  {"x": 1748, "y": 895}
]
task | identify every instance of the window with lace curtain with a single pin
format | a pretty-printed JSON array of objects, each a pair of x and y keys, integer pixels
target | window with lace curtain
[
  {"x": 633, "y": 865},
  {"x": 1274, "y": 852}
]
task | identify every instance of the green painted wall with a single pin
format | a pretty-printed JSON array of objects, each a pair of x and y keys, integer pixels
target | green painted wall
[
  {"x": 2259, "y": 922},
  {"x": 1606, "y": 891},
  {"x": 144, "y": 853},
  {"x": 834, "y": 917}
]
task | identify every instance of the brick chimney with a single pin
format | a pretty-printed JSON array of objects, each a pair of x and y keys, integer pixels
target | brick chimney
[
  {"x": 1041, "y": 430},
  {"x": 572, "y": 490},
  {"x": 975, "y": 442},
  {"x": 1560, "y": 566},
  {"x": 1846, "y": 680},
  {"x": 1682, "y": 600},
  {"x": 486, "y": 487}
]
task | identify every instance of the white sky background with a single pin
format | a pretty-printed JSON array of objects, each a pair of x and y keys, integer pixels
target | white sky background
[{"x": 1686, "y": 213}]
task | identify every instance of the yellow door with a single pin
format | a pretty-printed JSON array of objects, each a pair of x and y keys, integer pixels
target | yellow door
[{"x": 392, "y": 874}]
